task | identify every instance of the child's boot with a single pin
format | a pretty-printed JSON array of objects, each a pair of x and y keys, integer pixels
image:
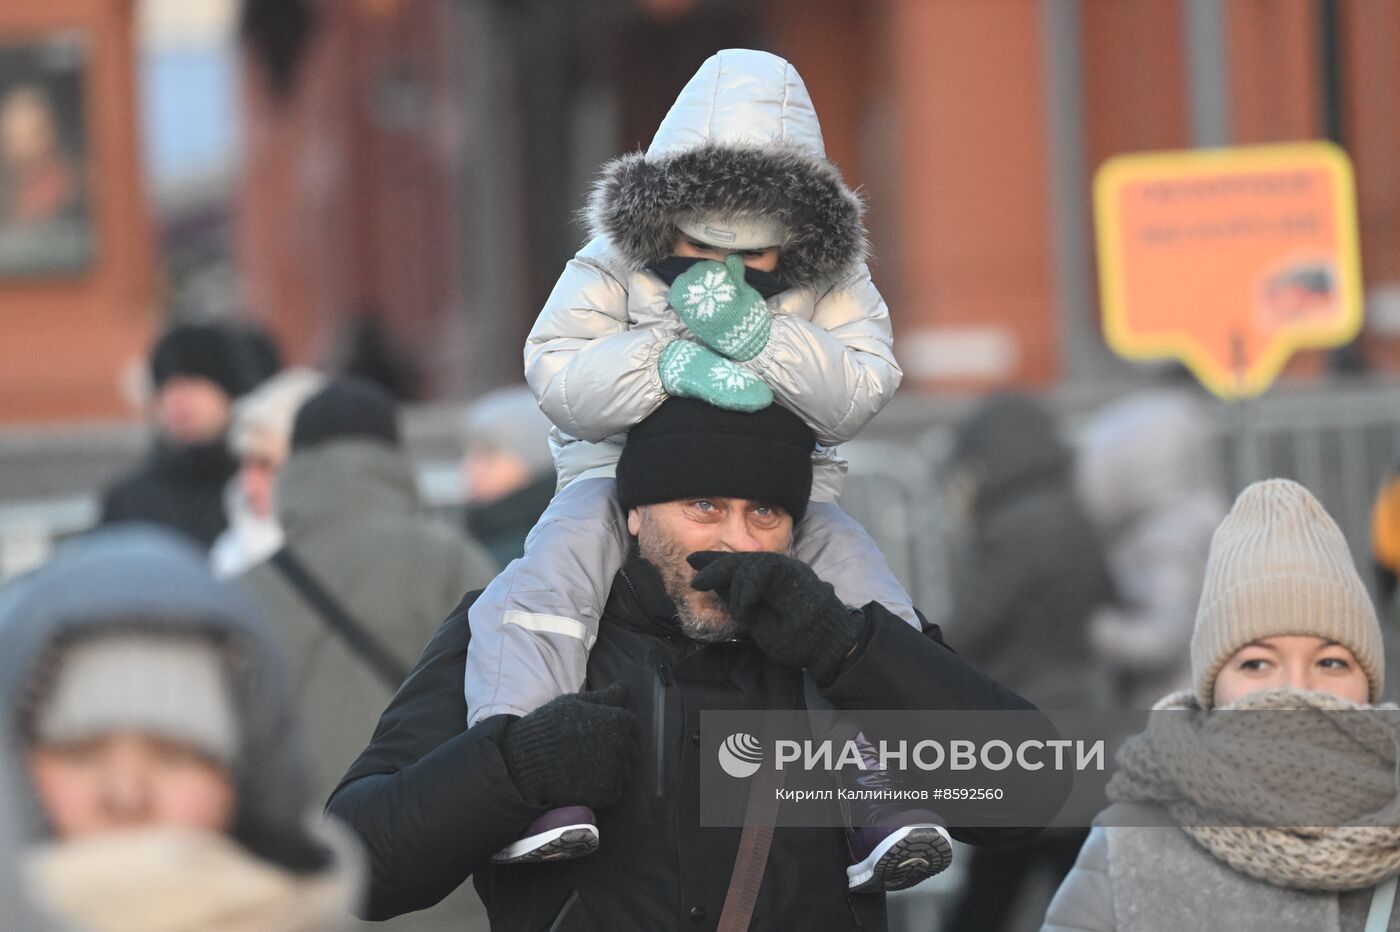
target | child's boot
[
  {"x": 558, "y": 835},
  {"x": 890, "y": 847}
]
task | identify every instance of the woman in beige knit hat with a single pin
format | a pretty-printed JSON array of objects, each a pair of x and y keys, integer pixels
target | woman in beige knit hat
[{"x": 1202, "y": 833}]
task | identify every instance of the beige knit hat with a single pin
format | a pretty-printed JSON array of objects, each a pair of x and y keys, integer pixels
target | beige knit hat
[{"x": 1279, "y": 565}]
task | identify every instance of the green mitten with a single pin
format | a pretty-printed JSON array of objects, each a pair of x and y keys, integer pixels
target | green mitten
[
  {"x": 689, "y": 370},
  {"x": 721, "y": 309}
]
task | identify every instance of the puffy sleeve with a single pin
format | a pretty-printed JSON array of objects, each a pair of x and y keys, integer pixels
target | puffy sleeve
[
  {"x": 1084, "y": 902},
  {"x": 594, "y": 375},
  {"x": 836, "y": 370}
]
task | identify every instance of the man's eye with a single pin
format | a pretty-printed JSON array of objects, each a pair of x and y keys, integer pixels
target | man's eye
[{"x": 703, "y": 505}]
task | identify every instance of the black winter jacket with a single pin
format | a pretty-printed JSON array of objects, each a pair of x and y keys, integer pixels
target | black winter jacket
[
  {"x": 433, "y": 801},
  {"x": 177, "y": 487}
]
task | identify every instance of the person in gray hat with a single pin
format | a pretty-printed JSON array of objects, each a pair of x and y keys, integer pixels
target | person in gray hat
[
  {"x": 152, "y": 727},
  {"x": 507, "y": 469}
]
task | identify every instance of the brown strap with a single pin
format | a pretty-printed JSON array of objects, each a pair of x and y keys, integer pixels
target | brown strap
[{"x": 761, "y": 813}]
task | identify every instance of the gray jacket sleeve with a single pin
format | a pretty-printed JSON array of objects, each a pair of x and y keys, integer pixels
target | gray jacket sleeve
[
  {"x": 1084, "y": 902},
  {"x": 832, "y": 362},
  {"x": 594, "y": 373}
]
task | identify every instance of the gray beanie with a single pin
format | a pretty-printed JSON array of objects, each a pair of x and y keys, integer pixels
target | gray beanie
[
  {"x": 509, "y": 420},
  {"x": 1279, "y": 565},
  {"x": 735, "y": 231},
  {"x": 172, "y": 686}
]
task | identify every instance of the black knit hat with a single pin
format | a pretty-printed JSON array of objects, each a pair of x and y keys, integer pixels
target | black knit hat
[
  {"x": 689, "y": 448},
  {"x": 237, "y": 359},
  {"x": 346, "y": 408}
]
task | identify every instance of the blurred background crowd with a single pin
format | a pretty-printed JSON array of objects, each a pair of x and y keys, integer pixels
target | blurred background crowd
[{"x": 266, "y": 269}]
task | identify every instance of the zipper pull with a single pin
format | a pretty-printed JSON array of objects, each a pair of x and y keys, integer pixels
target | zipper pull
[
  {"x": 663, "y": 673},
  {"x": 855, "y": 916}
]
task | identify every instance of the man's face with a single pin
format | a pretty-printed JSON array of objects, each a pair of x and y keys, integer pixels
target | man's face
[
  {"x": 129, "y": 780},
  {"x": 669, "y": 532},
  {"x": 191, "y": 410}
]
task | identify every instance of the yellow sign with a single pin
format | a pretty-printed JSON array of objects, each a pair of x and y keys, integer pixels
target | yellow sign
[{"x": 1230, "y": 260}]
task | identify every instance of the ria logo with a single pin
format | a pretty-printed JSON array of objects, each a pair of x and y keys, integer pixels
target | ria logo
[{"x": 740, "y": 755}]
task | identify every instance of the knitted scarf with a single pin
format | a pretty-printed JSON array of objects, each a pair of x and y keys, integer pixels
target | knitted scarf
[{"x": 1306, "y": 798}]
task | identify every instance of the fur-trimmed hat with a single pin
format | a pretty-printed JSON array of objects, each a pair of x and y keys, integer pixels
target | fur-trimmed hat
[
  {"x": 741, "y": 140},
  {"x": 1279, "y": 566},
  {"x": 237, "y": 359}
]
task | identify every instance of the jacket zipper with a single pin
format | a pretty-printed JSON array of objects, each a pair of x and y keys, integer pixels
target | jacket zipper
[
  {"x": 564, "y": 912},
  {"x": 855, "y": 916},
  {"x": 658, "y": 704}
]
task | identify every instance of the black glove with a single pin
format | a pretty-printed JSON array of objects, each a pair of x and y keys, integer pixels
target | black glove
[
  {"x": 576, "y": 750},
  {"x": 793, "y": 616}
]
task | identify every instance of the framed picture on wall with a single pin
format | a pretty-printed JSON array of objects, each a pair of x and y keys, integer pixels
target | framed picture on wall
[{"x": 46, "y": 226}]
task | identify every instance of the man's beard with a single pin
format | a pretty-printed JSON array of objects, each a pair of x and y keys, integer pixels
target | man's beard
[{"x": 703, "y": 616}]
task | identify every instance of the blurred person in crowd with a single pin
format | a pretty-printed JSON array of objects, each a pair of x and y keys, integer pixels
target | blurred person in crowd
[
  {"x": 1149, "y": 475},
  {"x": 1385, "y": 540},
  {"x": 39, "y": 181},
  {"x": 196, "y": 370},
  {"x": 1385, "y": 555},
  {"x": 260, "y": 437},
  {"x": 727, "y": 265},
  {"x": 153, "y": 728},
  {"x": 371, "y": 351},
  {"x": 1198, "y": 835},
  {"x": 364, "y": 578},
  {"x": 507, "y": 469},
  {"x": 1028, "y": 573}
]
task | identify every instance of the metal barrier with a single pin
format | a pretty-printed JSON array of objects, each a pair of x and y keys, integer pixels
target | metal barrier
[{"x": 1341, "y": 444}]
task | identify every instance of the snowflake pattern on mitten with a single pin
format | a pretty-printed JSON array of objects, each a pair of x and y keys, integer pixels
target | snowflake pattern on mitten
[
  {"x": 689, "y": 370},
  {"x": 705, "y": 297},
  {"x": 723, "y": 311}
]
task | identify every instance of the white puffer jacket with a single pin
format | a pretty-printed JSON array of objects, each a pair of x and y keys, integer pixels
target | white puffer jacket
[{"x": 742, "y": 135}]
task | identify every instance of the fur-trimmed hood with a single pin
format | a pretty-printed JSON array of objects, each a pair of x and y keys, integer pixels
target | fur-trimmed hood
[{"x": 742, "y": 138}]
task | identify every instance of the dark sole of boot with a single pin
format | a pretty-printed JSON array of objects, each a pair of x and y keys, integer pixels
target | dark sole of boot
[
  {"x": 911, "y": 860},
  {"x": 572, "y": 843}
]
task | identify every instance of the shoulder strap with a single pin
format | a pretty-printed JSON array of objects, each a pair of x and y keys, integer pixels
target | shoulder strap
[
  {"x": 1382, "y": 902},
  {"x": 761, "y": 813},
  {"x": 369, "y": 648}
]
